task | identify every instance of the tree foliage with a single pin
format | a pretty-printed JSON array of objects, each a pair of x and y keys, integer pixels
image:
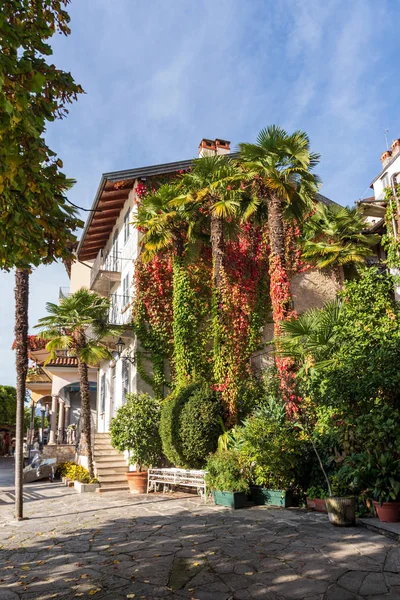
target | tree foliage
[
  {"x": 135, "y": 429},
  {"x": 7, "y": 404},
  {"x": 36, "y": 221}
]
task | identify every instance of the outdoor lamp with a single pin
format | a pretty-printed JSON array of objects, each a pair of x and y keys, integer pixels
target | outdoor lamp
[{"x": 120, "y": 345}]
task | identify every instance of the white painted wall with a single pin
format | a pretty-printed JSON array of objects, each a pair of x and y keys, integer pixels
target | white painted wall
[
  {"x": 80, "y": 276},
  {"x": 380, "y": 184}
]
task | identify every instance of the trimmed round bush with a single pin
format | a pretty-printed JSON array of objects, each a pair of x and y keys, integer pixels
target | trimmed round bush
[
  {"x": 199, "y": 426},
  {"x": 169, "y": 424},
  {"x": 190, "y": 425}
]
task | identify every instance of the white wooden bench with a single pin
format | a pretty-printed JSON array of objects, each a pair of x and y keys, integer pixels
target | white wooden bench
[{"x": 167, "y": 478}]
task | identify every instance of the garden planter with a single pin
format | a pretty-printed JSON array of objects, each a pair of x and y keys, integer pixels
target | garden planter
[
  {"x": 263, "y": 496},
  {"x": 137, "y": 482},
  {"x": 84, "y": 488},
  {"x": 230, "y": 499},
  {"x": 389, "y": 512},
  {"x": 317, "y": 504},
  {"x": 341, "y": 511}
]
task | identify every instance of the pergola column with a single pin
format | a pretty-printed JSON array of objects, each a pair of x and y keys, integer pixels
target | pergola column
[
  {"x": 61, "y": 421},
  {"x": 53, "y": 419},
  {"x": 66, "y": 423}
]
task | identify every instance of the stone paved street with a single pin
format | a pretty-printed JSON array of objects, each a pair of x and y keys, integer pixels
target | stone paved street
[{"x": 118, "y": 546}]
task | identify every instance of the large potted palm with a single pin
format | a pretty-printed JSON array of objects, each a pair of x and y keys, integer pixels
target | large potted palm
[
  {"x": 79, "y": 324},
  {"x": 134, "y": 430}
]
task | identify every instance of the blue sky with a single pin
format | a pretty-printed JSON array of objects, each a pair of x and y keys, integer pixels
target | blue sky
[{"x": 159, "y": 76}]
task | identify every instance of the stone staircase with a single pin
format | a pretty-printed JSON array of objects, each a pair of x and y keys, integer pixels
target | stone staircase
[{"x": 109, "y": 465}]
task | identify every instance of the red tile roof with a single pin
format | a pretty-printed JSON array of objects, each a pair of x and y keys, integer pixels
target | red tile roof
[{"x": 63, "y": 361}]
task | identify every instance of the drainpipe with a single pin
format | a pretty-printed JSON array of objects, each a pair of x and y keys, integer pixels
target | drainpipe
[
  {"x": 394, "y": 192},
  {"x": 395, "y": 271}
]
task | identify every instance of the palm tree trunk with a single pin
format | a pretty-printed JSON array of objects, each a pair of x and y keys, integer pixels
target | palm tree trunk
[
  {"x": 217, "y": 248},
  {"x": 86, "y": 415},
  {"x": 21, "y": 361},
  {"x": 276, "y": 228}
]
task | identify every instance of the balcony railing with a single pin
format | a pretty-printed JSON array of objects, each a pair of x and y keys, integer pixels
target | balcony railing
[
  {"x": 120, "y": 309},
  {"x": 105, "y": 272}
]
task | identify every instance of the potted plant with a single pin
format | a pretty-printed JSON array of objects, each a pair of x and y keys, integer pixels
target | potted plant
[
  {"x": 316, "y": 496},
  {"x": 135, "y": 430},
  {"x": 377, "y": 477},
  {"x": 226, "y": 479},
  {"x": 269, "y": 451},
  {"x": 340, "y": 506}
]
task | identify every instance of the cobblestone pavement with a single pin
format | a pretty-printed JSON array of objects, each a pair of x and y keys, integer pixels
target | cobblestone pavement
[{"x": 119, "y": 546}]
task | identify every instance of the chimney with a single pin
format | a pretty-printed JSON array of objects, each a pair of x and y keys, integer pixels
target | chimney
[
  {"x": 385, "y": 157},
  {"x": 222, "y": 146},
  {"x": 395, "y": 147},
  {"x": 206, "y": 148},
  {"x": 213, "y": 147}
]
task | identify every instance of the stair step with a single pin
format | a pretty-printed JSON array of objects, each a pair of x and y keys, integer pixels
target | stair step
[
  {"x": 109, "y": 470},
  {"x": 99, "y": 435},
  {"x": 112, "y": 458},
  {"x": 111, "y": 478},
  {"x": 101, "y": 444},
  {"x": 112, "y": 488},
  {"x": 106, "y": 452}
]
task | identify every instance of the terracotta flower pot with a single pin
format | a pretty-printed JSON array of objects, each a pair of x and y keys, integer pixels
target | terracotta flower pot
[
  {"x": 137, "y": 482},
  {"x": 389, "y": 512},
  {"x": 317, "y": 504}
]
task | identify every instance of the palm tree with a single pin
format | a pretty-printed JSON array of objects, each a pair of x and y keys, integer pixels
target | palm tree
[
  {"x": 310, "y": 339},
  {"x": 166, "y": 226},
  {"x": 334, "y": 239},
  {"x": 280, "y": 166},
  {"x": 212, "y": 189},
  {"x": 80, "y": 324}
]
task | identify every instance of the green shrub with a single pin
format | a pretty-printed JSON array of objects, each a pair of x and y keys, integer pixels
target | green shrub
[
  {"x": 169, "y": 424},
  {"x": 135, "y": 429},
  {"x": 190, "y": 425},
  {"x": 317, "y": 491},
  {"x": 224, "y": 472},
  {"x": 270, "y": 451},
  {"x": 199, "y": 426}
]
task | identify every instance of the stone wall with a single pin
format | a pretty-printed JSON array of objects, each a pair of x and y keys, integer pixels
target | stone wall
[{"x": 62, "y": 452}]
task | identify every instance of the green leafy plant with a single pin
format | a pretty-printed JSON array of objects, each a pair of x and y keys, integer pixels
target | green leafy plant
[
  {"x": 224, "y": 472},
  {"x": 135, "y": 429},
  {"x": 375, "y": 475},
  {"x": 317, "y": 491},
  {"x": 270, "y": 450}
]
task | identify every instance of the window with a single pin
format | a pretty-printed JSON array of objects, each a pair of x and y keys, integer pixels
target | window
[
  {"x": 385, "y": 180},
  {"x": 125, "y": 290},
  {"x": 125, "y": 380},
  {"x": 115, "y": 251},
  {"x": 103, "y": 393},
  {"x": 127, "y": 227}
]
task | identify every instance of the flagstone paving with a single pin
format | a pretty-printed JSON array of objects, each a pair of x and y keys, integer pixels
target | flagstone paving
[{"x": 119, "y": 546}]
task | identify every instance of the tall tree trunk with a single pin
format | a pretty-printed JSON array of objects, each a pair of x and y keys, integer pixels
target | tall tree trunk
[
  {"x": 276, "y": 228},
  {"x": 21, "y": 361},
  {"x": 281, "y": 299},
  {"x": 86, "y": 416},
  {"x": 217, "y": 248}
]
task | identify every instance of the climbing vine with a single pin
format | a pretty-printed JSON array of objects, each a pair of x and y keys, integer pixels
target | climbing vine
[
  {"x": 243, "y": 309},
  {"x": 152, "y": 318}
]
